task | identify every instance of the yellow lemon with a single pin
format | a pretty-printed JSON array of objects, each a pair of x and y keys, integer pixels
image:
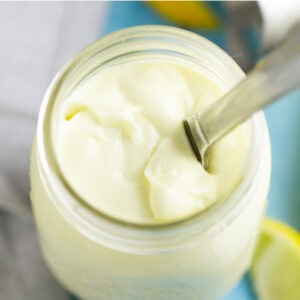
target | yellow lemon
[
  {"x": 275, "y": 271},
  {"x": 187, "y": 13}
]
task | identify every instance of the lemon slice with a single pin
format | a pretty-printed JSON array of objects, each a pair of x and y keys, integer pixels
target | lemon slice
[
  {"x": 187, "y": 13},
  {"x": 276, "y": 264}
]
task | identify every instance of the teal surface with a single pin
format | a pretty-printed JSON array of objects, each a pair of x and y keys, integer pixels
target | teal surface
[{"x": 283, "y": 119}]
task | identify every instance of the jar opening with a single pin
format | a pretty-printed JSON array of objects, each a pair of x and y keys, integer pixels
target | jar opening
[{"x": 140, "y": 43}]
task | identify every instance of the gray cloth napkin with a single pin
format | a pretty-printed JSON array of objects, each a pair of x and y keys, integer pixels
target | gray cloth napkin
[{"x": 36, "y": 39}]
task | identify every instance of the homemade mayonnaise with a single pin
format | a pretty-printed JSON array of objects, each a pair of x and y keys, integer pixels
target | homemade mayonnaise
[
  {"x": 110, "y": 130},
  {"x": 121, "y": 144}
]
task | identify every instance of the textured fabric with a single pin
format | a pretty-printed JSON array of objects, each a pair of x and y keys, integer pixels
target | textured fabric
[{"x": 36, "y": 39}]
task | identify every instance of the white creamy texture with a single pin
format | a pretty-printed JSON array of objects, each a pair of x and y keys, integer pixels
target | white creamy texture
[{"x": 122, "y": 146}]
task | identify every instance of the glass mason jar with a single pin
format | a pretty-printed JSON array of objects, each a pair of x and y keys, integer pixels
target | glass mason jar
[{"x": 99, "y": 257}]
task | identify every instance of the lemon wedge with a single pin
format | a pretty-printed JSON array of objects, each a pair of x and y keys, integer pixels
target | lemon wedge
[
  {"x": 275, "y": 271},
  {"x": 187, "y": 13}
]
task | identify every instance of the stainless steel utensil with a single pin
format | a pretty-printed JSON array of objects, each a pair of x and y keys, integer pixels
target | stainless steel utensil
[{"x": 277, "y": 74}]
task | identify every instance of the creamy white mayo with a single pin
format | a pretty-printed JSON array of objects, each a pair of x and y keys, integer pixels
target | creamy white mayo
[{"x": 122, "y": 146}]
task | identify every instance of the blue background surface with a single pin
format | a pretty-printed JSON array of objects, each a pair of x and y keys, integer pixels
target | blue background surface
[{"x": 282, "y": 118}]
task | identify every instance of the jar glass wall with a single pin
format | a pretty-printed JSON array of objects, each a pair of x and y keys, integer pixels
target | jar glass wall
[{"x": 99, "y": 257}]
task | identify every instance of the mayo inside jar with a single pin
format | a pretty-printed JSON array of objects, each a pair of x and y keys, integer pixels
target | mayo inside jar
[{"x": 121, "y": 143}]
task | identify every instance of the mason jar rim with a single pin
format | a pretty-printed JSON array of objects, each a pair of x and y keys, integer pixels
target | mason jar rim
[{"x": 108, "y": 230}]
